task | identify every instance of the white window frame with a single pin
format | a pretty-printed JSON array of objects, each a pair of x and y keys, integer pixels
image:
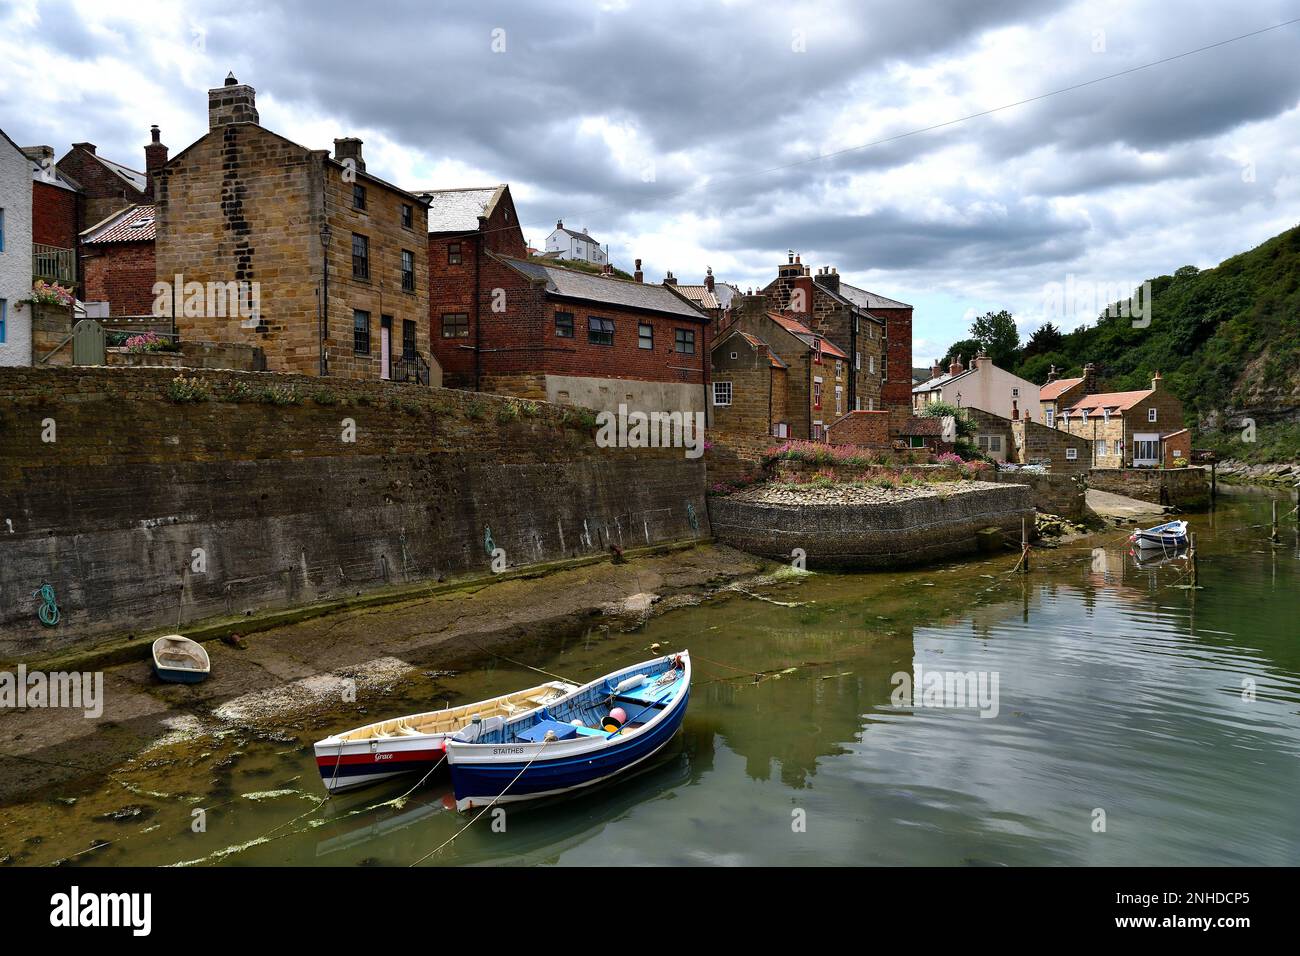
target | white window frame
[
  {"x": 1050, "y": 416},
  {"x": 1100, "y": 448},
  {"x": 1151, "y": 414},
  {"x": 718, "y": 391},
  {"x": 1071, "y": 454}
]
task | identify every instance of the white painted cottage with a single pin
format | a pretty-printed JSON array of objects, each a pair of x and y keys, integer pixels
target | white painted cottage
[
  {"x": 15, "y": 253},
  {"x": 983, "y": 386},
  {"x": 564, "y": 243}
]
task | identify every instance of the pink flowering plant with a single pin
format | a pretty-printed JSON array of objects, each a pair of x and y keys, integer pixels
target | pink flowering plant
[
  {"x": 51, "y": 293},
  {"x": 148, "y": 342}
]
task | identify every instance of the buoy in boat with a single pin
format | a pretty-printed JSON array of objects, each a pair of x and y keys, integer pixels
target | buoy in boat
[{"x": 611, "y": 723}]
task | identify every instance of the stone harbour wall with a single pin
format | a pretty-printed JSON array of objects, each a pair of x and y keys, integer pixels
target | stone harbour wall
[
  {"x": 868, "y": 536},
  {"x": 1178, "y": 487},
  {"x": 148, "y": 508}
]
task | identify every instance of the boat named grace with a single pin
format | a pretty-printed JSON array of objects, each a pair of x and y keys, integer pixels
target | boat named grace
[{"x": 387, "y": 748}]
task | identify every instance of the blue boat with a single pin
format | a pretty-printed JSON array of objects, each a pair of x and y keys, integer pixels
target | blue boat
[
  {"x": 595, "y": 733},
  {"x": 1170, "y": 535}
]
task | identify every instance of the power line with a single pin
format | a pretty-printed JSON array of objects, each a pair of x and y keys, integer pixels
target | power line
[{"x": 915, "y": 132}]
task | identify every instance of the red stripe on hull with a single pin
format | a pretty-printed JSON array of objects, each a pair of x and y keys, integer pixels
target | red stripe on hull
[{"x": 394, "y": 758}]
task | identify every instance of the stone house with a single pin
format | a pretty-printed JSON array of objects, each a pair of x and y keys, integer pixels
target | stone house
[
  {"x": 816, "y": 375},
  {"x": 839, "y": 313},
  {"x": 118, "y": 262},
  {"x": 15, "y": 253},
  {"x": 983, "y": 386},
  {"x": 1060, "y": 393},
  {"x": 749, "y": 385},
  {"x": 1124, "y": 428},
  {"x": 266, "y": 243},
  {"x": 464, "y": 226},
  {"x": 549, "y": 333}
]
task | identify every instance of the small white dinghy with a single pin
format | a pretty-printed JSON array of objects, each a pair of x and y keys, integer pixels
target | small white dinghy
[
  {"x": 178, "y": 660},
  {"x": 1167, "y": 536},
  {"x": 386, "y": 748}
]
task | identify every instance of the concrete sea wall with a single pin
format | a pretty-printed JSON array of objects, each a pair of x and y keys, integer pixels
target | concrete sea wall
[
  {"x": 146, "y": 502},
  {"x": 865, "y": 536}
]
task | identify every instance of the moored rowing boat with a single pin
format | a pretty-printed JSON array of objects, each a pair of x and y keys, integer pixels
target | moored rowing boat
[{"x": 415, "y": 743}]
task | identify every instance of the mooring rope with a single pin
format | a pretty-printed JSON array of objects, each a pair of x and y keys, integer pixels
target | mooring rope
[{"x": 449, "y": 839}]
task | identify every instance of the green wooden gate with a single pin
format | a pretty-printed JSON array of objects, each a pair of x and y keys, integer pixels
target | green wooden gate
[{"x": 88, "y": 343}]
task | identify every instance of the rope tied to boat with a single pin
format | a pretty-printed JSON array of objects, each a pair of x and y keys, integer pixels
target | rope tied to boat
[{"x": 490, "y": 805}]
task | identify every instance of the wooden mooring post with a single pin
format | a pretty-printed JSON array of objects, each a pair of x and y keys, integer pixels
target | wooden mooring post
[
  {"x": 1192, "y": 570},
  {"x": 1024, "y": 545},
  {"x": 1273, "y": 532}
]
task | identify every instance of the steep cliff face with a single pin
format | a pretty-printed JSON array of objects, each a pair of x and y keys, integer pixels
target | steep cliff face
[{"x": 146, "y": 511}]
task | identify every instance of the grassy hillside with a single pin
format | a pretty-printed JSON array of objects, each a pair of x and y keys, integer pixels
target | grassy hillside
[{"x": 1226, "y": 340}]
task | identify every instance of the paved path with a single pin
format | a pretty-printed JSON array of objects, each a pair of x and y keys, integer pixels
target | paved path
[{"x": 1110, "y": 505}]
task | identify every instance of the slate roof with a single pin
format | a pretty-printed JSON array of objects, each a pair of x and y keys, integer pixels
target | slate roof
[
  {"x": 132, "y": 224},
  {"x": 577, "y": 235},
  {"x": 1053, "y": 390},
  {"x": 457, "y": 210},
  {"x": 134, "y": 178},
  {"x": 627, "y": 293},
  {"x": 869, "y": 300},
  {"x": 939, "y": 382}
]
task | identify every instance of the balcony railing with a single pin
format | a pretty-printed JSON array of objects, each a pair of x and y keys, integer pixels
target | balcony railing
[
  {"x": 414, "y": 369},
  {"x": 54, "y": 264}
]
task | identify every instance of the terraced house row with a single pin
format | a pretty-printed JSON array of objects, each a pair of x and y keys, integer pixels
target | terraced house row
[{"x": 248, "y": 250}]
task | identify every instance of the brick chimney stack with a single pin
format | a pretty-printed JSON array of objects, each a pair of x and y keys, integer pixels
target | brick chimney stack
[
  {"x": 155, "y": 158},
  {"x": 708, "y": 278},
  {"x": 936, "y": 369},
  {"x": 828, "y": 278},
  {"x": 1052, "y": 374},
  {"x": 88, "y": 147},
  {"x": 956, "y": 368},
  {"x": 638, "y": 275},
  {"x": 1155, "y": 381},
  {"x": 232, "y": 102},
  {"x": 670, "y": 279},
  {"x": 349, "y": 148}
]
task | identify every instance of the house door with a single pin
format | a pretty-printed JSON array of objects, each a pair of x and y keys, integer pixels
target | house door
[
  {"x": 385, "y": 346},
  {"x": 1146, "y": 449}
]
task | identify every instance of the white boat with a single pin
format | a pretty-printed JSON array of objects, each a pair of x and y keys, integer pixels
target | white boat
[
  {"x": 178, "y": 660},
  {"x": 1171, "y": 534},
  {"x": 387, "y": 748},
  {"x": 597, "y": 732}
]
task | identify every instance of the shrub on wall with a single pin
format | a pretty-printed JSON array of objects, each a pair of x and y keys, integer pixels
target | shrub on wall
[{"x": 182, "y": 390}]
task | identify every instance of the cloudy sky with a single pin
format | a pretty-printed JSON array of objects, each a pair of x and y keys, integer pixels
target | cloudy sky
[{"x": 723, "y": 134}]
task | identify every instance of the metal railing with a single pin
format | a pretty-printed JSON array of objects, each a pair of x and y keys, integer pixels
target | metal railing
[
  {"x": 413, "y": 369},
  {"x": 54, "y": 264}
]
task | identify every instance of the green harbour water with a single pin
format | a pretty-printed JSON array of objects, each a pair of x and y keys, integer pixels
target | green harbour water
[{"x": 1120, "y": 691}]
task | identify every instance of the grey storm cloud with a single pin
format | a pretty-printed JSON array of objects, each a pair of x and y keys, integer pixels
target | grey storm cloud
[{"x": 735, "y": 105}]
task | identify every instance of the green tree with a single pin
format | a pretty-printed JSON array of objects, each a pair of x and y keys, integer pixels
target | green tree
[
  {"x": 1046, "y": 338},
  {"x": 998, "y": 336}
]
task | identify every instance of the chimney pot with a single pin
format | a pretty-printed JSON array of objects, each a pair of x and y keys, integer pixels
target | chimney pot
[
  {"x": 956, "y": 368},
  {"x": 88, "y": 147},
  {"x": 155, "y": 158}
]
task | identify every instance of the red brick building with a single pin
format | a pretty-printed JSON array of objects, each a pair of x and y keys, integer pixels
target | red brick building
[
  {"x": 545, "y": 332},
  {"x": 117, "y": 262},
  {"x": 56, "y": 211},
  {"x": 465, "y": 225}
]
